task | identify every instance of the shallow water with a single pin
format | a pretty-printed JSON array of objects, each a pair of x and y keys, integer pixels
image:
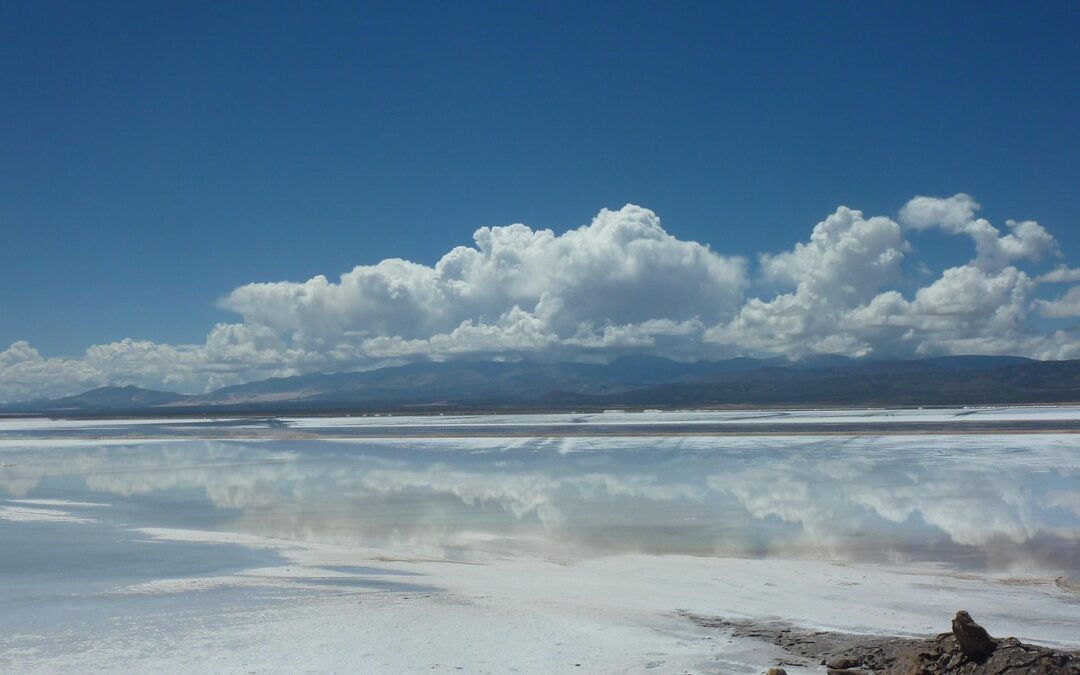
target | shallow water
[
  {"x": 110, "y": 551},
  {"x": 985, "y": 503}
]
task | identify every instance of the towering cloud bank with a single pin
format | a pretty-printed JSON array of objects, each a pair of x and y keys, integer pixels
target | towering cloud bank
[
  {"x": 618, "y": 285},
  {"x": 621, "y": 280}
]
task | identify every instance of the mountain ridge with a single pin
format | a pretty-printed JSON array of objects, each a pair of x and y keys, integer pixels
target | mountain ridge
[{"x": 628, "y": 381}]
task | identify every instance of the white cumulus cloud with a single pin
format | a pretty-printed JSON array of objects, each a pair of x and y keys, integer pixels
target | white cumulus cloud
[
  {"x": 956, "y": 215},
  {"x": 847, "y": 259},
  {"x": 622, "y": 269},
  {"x": 619, "y": 284}
]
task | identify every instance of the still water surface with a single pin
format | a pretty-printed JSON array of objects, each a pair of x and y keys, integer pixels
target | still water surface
[{"x": 985, "y": 503}]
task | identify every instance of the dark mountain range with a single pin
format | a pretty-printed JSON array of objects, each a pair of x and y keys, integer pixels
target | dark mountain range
[
  {"x": 638, "y": 381},
  {"x": 898, "y": 383}
]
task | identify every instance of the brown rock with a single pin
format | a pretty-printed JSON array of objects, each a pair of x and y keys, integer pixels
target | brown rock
[
  {"x": 974, "y": 641},
  {"x": 939, "y": 655},
  {"x": 843, "y": 663},
  {"x": 776, "y": 671}
]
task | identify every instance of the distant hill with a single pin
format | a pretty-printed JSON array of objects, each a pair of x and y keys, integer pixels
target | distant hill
[
  {"x": 103, "y": 400},
  {"x": 115, "y": 397},
  {"x": 641, "y": 381}
]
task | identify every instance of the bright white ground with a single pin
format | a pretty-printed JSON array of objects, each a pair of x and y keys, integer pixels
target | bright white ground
[{"x": 614, "y": 614}]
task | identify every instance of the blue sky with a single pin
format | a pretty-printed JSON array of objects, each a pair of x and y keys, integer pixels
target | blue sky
[{"x": 157, "y": 156}]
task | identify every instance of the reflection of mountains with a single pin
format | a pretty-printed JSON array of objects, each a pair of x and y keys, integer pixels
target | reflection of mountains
[{"x": 979, "y": 502}]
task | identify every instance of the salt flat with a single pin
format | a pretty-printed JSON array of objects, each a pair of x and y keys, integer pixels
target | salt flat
[
  {"x": 833, "y": 416},
  {"x": 523, "y": 554}
]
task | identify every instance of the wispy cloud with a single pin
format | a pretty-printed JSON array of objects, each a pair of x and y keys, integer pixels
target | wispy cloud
[{"x": 1059, "y": 275}]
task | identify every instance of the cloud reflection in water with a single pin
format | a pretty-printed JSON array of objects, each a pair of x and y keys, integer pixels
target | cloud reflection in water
[{"x": 976, "y": 502}]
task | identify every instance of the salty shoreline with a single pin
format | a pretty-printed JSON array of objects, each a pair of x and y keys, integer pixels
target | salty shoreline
[
  {"x": 333, "y": 608},
  {"x": 874, "y": 422},
  {"x": 469, "y": 434}
]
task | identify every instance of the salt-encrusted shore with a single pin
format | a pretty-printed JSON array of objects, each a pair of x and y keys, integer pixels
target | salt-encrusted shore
[
  {"x": 331, "y": 608},
  {"x": 611, "y": 424}
]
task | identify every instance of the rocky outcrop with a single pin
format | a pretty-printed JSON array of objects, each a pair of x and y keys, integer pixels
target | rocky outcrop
[{"x": 967, "y": 650}]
